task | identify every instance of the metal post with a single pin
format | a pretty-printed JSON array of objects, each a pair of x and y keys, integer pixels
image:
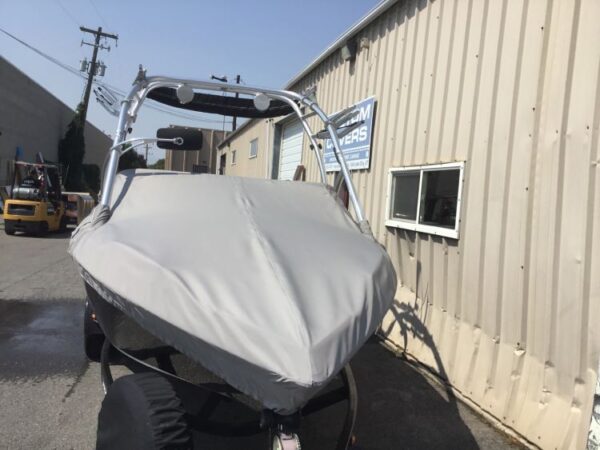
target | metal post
[
  {"x": 113, "y": 161},
  {"x": 340, "y": 157},
  {"x": 234, "y": 124}
]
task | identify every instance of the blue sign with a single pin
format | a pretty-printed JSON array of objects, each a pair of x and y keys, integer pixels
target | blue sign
[{"x": 356, "y": 145}]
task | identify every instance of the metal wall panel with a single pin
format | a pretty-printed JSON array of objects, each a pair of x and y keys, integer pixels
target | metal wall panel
[
  {"x": 292, "y": 137},
  {"x": 509, "y": 312},
  {"x": 506, "y": 312},
  {"x": 257, "y": 167},
  {"x": 184, "y": 161}
]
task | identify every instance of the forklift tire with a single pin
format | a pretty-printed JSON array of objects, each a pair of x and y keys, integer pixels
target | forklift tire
[
  {"x": 63, "y": 225},
  {"x": 43, "y": 229},
  {"x": 93, "y": 337},
  {"x": 142, "y": 411}
]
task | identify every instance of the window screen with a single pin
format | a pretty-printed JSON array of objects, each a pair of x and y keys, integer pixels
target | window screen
[
  {"x": 439, "y": 197},
  {"x": 253, "y": 148},
  {"x": 405, "y": 195},
  {"x": 426, "y": 198}
]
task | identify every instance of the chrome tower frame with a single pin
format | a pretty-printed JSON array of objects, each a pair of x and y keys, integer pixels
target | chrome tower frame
[{"x": 143, "y": 85}]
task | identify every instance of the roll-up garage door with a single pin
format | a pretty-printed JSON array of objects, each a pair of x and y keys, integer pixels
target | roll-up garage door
[{"x": 291, "y": 150}]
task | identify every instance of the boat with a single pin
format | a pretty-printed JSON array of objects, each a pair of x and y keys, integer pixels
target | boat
[{"x": 252, "y": 289}]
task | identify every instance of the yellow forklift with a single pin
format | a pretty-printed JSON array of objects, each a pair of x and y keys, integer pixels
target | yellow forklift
[{"x": 35, "y": 205}]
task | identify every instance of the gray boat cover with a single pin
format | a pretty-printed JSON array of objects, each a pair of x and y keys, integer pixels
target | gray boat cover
[{"x": 269, "y": 284}]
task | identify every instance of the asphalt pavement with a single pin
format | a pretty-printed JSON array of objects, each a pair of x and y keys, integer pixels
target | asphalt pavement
[{"x": 50, "y": 394}]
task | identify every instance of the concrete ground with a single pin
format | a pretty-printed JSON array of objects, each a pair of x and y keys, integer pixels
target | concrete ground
[{"x": 50, "y": 394}]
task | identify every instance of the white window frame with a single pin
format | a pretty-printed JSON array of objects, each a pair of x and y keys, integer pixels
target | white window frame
[
  {"x": 415, "y": 225},
  {"x": 233, "y": 157},
  {"x": 250, "y": 155}
]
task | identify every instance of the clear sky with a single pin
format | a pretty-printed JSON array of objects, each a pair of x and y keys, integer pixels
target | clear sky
[{"x": 267, "y": 42}]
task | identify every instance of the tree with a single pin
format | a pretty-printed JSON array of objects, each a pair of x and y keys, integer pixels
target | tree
[
  {"x": 159, "y": 165},
  {"x": 91, "y": 175},
  {"x": 71, "y": 150},
  {"x": 131, "y": 160}
]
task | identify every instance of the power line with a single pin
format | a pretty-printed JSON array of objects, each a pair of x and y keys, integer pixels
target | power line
[
  {"x": 153, "y": 104},
  {"x": 42, "y": 54},
  {"x": 98, "y": 12},
  {"x": 180, "y": 114},
  {"x": 157, "y": 106},
  {"x": 148, "y": 104},
  {"x": 68, "y": 13}
]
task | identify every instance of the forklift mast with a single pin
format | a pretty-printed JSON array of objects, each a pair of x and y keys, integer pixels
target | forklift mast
[{"x": 50, "y": 183}]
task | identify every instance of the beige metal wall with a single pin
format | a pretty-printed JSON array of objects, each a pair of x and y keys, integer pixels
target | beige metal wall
[
  {"x": 510, "y": 312},
  {"x": 184, "y": 161},
  {"x": 258, "y": 167}
]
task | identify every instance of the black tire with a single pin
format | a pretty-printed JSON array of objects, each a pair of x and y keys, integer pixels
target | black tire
[
  {"x": 63, "y": 224},
  {"x": 93, "y": 337},
  {"x": 9, "y": 230},
  {"x": 43, "y": 229},
  {"x": 142, "y": 411}
]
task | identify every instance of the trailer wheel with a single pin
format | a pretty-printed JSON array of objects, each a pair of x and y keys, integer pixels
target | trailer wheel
[
  {"x": 142, "y": 411},
  {"x": 286, "y": 441},
  {"x": 93, "y": 337}
]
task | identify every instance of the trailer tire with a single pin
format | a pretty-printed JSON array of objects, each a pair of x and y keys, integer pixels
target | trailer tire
[
  {"x": 142, "y": 411},
  {"x": 93, "y": 337}
]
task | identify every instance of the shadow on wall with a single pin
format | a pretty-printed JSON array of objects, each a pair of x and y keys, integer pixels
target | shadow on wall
[
  {"x": 441, "y": 423},
  {"x": 406, "y": 317}
]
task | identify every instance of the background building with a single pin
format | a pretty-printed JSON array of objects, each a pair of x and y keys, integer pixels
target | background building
[
  {"x": 199, "y": 161},
  {"x": 246, "y": 151},
  {"x": 34, "y": 120},
  {"x": 483, "y": 184}
]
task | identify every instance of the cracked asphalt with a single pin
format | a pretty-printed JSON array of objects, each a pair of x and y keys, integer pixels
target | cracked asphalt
[{"x": 50, "y": 394}]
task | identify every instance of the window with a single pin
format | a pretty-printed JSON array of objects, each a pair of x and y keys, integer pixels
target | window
[
  {"x": 223, "y": 164},
  {"x": 233, "y": 156},
  {"x": 199, "y": 168},
  {"x": 426, "y": 198},
  {"x": 253, "y": 148}
]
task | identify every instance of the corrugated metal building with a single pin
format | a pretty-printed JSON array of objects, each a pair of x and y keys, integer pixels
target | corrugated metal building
[
  {"x": 202, "y": 160},
  {"x": 237, "y": 156},
  {"x": 35, "y": 120},
  {"x": 505, "y": 303}
]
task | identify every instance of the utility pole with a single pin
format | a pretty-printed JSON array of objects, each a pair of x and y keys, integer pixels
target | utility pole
[
  {"x": 94, "y": 64},
  {"x": 234, "y": 124},
  {"x": 237, "y": 94}
]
